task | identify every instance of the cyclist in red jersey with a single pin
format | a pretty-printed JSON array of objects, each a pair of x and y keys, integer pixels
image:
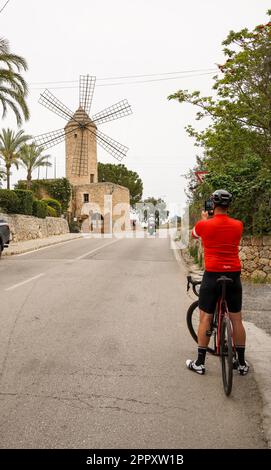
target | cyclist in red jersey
[{"x": 220, "y": 236}]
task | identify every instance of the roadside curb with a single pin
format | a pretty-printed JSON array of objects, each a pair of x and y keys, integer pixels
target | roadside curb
[
  {"x": 190, "y": 269},
  {"x": 259, "y": 355},
  {"x": 16, "y": 250}
]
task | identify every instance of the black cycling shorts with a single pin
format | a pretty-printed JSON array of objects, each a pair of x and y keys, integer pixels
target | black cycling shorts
[{"x": 210, "y": 290}]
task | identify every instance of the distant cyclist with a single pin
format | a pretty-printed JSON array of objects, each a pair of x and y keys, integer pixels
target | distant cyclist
[{"x": 220, "y": 237}]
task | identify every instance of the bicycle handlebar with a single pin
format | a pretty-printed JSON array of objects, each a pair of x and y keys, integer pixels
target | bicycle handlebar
[{"x": 194, "y": 284}]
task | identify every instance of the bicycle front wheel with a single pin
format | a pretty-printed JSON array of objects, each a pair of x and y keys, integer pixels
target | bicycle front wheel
[
  {"x": 226, "y": 352},
  {"x": 193, "y": 320}
]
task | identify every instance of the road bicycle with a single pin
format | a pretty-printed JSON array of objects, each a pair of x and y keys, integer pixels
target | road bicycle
[{"x": 220, "y": 333}]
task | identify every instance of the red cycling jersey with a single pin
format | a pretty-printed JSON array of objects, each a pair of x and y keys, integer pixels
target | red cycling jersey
[{"x": 220, "y": 237}]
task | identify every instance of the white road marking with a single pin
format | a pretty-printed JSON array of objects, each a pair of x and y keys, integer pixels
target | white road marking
[
  {"x": 96, "y": 249},
  {"x": 25, "y": 282},
  {"x": 75, "y": 259}
]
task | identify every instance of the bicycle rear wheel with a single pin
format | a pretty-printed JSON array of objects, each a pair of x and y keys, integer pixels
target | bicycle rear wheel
[
  {"x": 192, "y": 321},
  {"x": 226, "y": 351}
]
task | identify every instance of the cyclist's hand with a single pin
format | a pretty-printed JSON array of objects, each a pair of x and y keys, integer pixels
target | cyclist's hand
[{"x": 204, "y": 215}]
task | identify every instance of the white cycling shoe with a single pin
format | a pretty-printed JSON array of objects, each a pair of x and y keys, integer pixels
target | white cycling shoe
[
  {"x": 243, "y": 370},
  {"x": 191, "y": 365}
]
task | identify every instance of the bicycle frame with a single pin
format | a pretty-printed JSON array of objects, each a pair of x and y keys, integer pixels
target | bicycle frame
[{"x": 221, "y": 312}]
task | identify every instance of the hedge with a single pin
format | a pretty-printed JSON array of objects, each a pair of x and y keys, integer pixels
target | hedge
[
  {"x": 39, "y": 209},
  {"x": 25, "y": 205},
  {"x": 55, "y": 205},
  {"x": 51, "y": 212},
  {"x": 59, "y": 189},
  {"x": 9, "y": 201}
]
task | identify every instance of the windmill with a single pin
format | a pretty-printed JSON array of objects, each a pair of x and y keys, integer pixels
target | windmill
[{"x": 81, "y": 133}]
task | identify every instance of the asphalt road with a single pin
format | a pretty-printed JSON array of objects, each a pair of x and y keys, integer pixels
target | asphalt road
[{"x": 93, "y": 344}]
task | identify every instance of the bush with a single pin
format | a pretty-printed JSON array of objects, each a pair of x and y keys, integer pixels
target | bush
[
  {"x": 59, "y": 189},
  {"x": 25, "y": 201},
  {"x": 9, "y": 201},
  {"x": 74, "y": 227},
  {"x": 39, "y": 209},
  {"x": 51, "y": 212},
  {"x": 55, "y": 205},
  {"x": 193, "y": 251}
]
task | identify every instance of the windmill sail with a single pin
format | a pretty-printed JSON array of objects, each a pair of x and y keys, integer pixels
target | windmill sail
[
  {"x": 116, "y": 111},
  {"x": 86, "y": 90},
  {"x": 81, "y": 153},
  {"x": 113, "y": 147},
  {"x": 52, "y": 103},
  {"x": 50, "y": 139}
]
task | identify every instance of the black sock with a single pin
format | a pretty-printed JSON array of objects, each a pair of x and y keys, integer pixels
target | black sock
[
  {"x": 201, "y": 356},
  {"x": 241, "y": 354}
]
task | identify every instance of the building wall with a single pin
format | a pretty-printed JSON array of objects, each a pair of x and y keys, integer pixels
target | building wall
[
  {"x": 116, "y": 214},
  {"x": 26, "y": 227}
]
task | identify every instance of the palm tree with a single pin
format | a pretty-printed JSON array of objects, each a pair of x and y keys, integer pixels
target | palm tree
[
  {"x": 2, "y": 175},
  {"x": 10, "y": 146},
  {"x": 13, "y": 88},
  {"x": 31, "y": 159}
]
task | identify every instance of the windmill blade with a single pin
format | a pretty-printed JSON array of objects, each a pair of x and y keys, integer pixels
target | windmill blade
[
  {"x": 86, "y": 90},
  {"x": 51, "y": 138},
  {"x": 52, "y": 103},
  {"x": 113, "y": 147},
  {"x": 80, "y": 159},
  {"x": 116, "y": 111}
]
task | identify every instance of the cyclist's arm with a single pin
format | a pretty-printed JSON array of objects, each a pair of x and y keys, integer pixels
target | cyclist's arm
[{"x": 199, "y": 227}]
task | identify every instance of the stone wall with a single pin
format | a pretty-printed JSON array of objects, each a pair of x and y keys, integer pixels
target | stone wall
[
  {"x": 255, "y": 256},
  {"x": 26, "y": 227}
]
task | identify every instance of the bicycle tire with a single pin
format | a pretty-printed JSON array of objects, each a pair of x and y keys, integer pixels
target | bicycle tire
[
  {"x": 190, "y": 326},
  {"x": 226, "y": 352}
]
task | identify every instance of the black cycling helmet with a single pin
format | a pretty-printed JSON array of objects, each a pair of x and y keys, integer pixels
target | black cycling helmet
[{"x": 221, "y": 198}]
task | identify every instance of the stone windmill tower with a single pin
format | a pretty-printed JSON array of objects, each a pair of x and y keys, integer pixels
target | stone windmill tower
[
  {"x": 81, "y": 136},
  {"x": 81, "y": 149}
]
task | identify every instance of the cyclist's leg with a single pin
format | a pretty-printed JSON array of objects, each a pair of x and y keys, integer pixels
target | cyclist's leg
[
  {"x": 234, "y": 300},
  {"x": 208, "y": 296},
  {"x": 204, "y": 325},
  {"x": 207, "y": 303},
  {"x": 239, "y": 332}
]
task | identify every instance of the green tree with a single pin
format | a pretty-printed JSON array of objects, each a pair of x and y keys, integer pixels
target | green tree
[
  {"x": 10, "y": 146},
  {"x": 155, "y": 207},
  {"x": 241, "y": 109},
  {"x": 13, "y": 87},
  {"x": 119, "y": 174},
  {"x": 250, "y": 185},
  {"x": 237, "y": 144},
  {"x": 31, "y": 158}
]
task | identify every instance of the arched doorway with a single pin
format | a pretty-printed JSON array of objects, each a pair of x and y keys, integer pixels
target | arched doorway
[{"x": 96, "y": 222}]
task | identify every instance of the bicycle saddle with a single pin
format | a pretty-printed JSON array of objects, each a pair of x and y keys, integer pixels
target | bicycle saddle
[{"x": 224, "y": 279}]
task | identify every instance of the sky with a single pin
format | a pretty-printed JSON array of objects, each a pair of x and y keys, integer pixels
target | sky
[{"x": 62, "y": 39}]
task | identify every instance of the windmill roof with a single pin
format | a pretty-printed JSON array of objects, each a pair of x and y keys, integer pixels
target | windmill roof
[{"x": 81, "y": 116}]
